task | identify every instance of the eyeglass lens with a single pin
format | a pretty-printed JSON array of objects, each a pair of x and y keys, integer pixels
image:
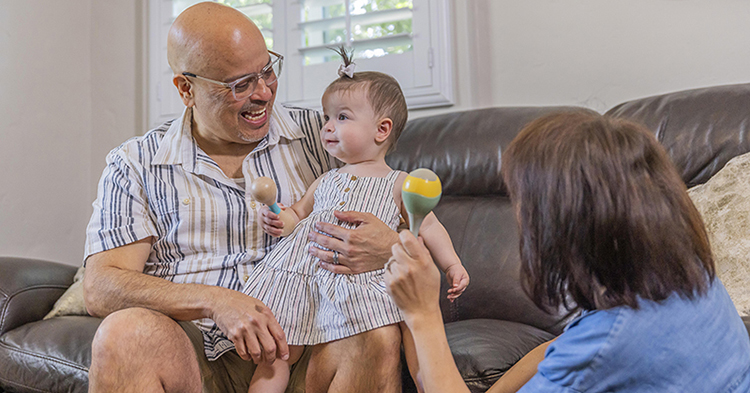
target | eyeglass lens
[{"x": 246, "y": 87}]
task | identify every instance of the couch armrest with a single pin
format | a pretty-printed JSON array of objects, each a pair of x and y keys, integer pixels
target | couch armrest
[{"x": 29, "y": 289}]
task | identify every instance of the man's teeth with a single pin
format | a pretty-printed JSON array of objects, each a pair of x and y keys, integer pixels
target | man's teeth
[{"x": 254, "y": 115}]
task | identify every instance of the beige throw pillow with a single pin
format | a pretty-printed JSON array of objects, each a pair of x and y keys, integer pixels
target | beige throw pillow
[
  {"x": 724, "y": 204},
  {"x": 71, "y": 302}
]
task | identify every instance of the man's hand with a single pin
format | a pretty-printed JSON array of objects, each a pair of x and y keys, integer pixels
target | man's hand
[
  {"x": 251, "y": 326},
  {"x": 364, "y": 248}
]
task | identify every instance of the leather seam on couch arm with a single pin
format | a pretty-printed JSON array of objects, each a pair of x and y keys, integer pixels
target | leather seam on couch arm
[
  {"x": 9, "y": 299},
  {"x": 493, "y": 375},
  {"x": 46, "y": 358},
  {"x": 14, "y": 383}
]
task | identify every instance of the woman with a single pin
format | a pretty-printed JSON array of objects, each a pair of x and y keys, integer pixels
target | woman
[{"x": 607, "y": 227}]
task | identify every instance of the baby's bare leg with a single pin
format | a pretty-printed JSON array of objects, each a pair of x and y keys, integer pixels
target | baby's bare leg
[{"x": 274, "y": 377}]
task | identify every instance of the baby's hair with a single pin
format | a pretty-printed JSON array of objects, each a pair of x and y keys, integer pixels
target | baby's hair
[{"x": 382, "y": 91}]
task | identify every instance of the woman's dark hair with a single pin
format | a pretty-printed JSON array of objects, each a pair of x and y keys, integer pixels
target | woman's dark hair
[
  {"x": 604, "y": 217},
  {"x": 382, "y": 90}
]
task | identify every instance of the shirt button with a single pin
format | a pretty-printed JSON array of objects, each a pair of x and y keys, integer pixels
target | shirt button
[
  {"x": 346, "y": 189},
  {"x": 342, "y": 203},
  {"x": 186, "y": 201},
  {"x": 245, "y": 278},
  {"x": 354, "y": 177},
  {"x": 252, "y": 204}
]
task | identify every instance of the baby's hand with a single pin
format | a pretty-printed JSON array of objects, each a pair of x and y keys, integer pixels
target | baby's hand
[
  {"x": 458, "y": 277},
  {"x": 270, "y": 221}
]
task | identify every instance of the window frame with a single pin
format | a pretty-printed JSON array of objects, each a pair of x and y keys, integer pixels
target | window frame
[{"x": 432, "y": 67}]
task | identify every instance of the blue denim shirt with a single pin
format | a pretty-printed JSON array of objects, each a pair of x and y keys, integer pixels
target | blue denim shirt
[{"x": 676, "y": 345}]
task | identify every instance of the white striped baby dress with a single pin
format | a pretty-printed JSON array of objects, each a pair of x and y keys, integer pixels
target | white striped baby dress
[{"x": 313, "y": 305}]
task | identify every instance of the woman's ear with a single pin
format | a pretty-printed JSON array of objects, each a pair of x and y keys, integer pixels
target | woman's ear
[
  {"x": 384, "y": 130},
  {"x": 185, "y": 88}
]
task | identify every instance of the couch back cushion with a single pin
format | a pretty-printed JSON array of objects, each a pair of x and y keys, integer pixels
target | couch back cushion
[
  {"x": 701, "y": 129},
  {"x": 465, "y": 150}
]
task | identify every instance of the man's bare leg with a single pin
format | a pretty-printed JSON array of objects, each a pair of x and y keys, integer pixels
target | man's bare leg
[
  {"x": 139, "y": 350},
  {"x": 367, "y": 362}
]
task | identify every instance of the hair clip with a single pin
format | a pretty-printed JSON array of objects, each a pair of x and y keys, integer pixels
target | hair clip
[
  {"x": 347, "y": 70},
  {"x": 348, "y": 67}
]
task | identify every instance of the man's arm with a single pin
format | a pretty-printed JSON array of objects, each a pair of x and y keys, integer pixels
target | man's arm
[
  {"x": 364, "y": 248},
  {"x": 114, "y": 281}
]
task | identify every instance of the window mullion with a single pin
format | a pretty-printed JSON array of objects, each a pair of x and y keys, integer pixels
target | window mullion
[{"x": 348, "y": 13}]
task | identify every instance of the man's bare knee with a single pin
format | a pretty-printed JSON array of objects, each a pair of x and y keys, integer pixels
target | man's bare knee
[{"x": 146, "y": 345}]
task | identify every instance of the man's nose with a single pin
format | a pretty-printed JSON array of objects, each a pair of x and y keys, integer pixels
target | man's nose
[{"x": 262, "y": 92}]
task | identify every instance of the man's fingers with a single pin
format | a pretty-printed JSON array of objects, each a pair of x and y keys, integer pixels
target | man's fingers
[
  {"x": 353, "y": 217},
  {"x": 241, "y": 348},
  {"x": 282, "y": 348},
  {"x": 328, "y": 242},
  {"x": 338, "y": 269},
  {"x": 268, "y": 347},
  {"x": 253, "y": 348},
  {"x": 331, "y": 230}
]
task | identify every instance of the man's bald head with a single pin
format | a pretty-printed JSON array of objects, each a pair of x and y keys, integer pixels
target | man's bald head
[{"x": 207, "y": 33}]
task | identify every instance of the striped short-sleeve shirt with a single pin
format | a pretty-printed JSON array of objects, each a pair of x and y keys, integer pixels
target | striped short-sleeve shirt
[{"x": 163, "y": 185}]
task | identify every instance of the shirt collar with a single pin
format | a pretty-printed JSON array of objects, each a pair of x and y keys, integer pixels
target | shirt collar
[{"x": 178, "y": 147}]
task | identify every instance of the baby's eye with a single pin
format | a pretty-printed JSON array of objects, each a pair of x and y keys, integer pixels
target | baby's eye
[
  {"x": 342, "y": 117},
  {"x": 326, "y": 118}
]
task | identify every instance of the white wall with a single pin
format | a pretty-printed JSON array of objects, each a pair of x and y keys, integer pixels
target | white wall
[
  {"x": 594, "y": 53},
  {"x": 66, "y": 69},
  {"x": 71, "y": 83}
]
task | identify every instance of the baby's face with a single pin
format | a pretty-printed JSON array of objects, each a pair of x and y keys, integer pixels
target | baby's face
[{"x": 350, "y": 132}]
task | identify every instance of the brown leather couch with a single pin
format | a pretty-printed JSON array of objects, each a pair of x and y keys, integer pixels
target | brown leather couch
[{"x": 493, "y": 324}]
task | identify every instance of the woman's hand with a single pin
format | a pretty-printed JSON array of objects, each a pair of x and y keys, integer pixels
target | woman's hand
[{"x": 412, "y": 279}]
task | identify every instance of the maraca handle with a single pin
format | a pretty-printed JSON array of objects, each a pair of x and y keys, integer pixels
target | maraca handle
[
  {"x": 414, "y": 223},
  {"x": 275, "y": 208}
]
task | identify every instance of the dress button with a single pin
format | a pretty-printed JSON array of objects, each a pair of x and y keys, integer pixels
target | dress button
[
  {"x": 354, "y": 177},
  {"x": 186, "y": 201}
]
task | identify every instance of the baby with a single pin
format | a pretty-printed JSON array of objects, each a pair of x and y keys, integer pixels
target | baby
[{"x": 364, "y": 114}]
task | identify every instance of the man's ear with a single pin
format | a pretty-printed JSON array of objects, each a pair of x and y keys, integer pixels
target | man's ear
[
  {"x": 384, "y": 130},
  {"x": 185, "y": 88}
]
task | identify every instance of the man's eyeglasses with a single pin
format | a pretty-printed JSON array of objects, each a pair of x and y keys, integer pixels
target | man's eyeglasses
[{"x": 245, "y": 86}]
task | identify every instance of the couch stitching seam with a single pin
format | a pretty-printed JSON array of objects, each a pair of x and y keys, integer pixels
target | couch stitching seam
[
  {"x": 14, "y": 294},
  {"x": 48, "y": 358},
  {"x": 23, "y": 386}
]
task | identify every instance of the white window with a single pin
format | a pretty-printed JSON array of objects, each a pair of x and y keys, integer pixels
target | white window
[{"x": 409, "y": 39}]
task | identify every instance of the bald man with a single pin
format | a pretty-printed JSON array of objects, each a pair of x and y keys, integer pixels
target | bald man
[{"x": 173, "y": 234}]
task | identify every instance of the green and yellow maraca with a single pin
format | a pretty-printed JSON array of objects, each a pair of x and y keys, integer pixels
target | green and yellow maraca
[{"x": 421, "y": 193}]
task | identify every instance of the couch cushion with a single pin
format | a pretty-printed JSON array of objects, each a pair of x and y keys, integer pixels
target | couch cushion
[
  {"x": 485, "y": 349},
  {"x": 483, "y": 232},
  {"x": 724, "y": 204},
  {"x": 701, "y": 129},
  {"x": 48, "y": 356},
  {"x": 463, "y": 148}
]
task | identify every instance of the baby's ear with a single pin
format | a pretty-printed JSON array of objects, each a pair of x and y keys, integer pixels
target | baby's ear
[{"x": 384, "y": 130}]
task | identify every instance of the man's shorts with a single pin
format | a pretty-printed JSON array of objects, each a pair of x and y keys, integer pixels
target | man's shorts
[{"x": 230, "y": 373}]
